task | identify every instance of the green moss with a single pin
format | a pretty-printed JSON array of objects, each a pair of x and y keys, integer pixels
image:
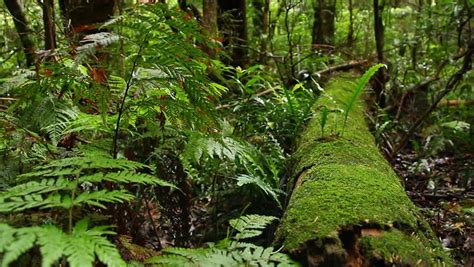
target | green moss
[
  {"x": 343, "y": 181},
  {"x": 396, "y": 247},
  {"x": 336, "y": 195}
]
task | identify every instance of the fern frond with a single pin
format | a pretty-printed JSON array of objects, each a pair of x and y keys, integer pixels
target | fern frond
[
  {"x": 126, "y": 177},
  {"x": 170, "y": 260},
  {"x": 94, "y": 162},
  {"x": 24, "y": 241},
  {"x": 53, "y": 117},
  {"x": 244, "y": 179},
  {"x": 52, "y": 243},
  {"x": 358, "y": 90},
  {"x": 36, "y": 187},
  {"x": 250, "y": 225},
  {"x": 103, "y": 196},
  {"x": 15, "y": 204},
  {"x": 91, "y": 123},
  {"x": 91, "y": 42},
  {"x": 6, "y": 236},
  {"x": 80, "y": 247},
  {"x": 249, "y": 256}
]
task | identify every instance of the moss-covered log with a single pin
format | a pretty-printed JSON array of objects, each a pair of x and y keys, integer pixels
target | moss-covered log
[{"x": 347, "y": 206}]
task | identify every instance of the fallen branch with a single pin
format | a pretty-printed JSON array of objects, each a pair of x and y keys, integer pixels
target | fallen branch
[{"x": 343, "y": 67}]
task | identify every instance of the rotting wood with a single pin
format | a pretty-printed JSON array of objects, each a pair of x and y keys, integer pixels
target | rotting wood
[{"x": 349, "y": 208}]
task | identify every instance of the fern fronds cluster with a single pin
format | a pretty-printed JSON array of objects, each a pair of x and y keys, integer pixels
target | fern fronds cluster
[
  {"x": 228, "y": 252},
  {"x": 80, "y": 247},
  {"x": 255, "y": 169},
  {"x": 73, "y": 183},
  {"x": 248, "y": 256},
  {"x": 171, "y": 79}
]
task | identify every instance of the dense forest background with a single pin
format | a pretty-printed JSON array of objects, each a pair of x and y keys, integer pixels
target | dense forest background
[{"x": 162, "y": 132}]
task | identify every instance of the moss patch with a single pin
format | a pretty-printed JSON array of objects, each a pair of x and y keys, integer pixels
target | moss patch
[
  {"x": 395, "y": 247},
  {"x": 344, "y": 181}
]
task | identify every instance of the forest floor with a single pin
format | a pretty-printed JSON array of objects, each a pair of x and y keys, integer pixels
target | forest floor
[{"x": 443, "y": 188}]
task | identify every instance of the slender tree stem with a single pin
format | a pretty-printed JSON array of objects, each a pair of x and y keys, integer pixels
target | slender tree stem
[{"x": 127, "y": 88}]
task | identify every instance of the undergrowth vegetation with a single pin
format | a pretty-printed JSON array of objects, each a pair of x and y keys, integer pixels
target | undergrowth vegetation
[
  {"x": 137, "y": 133},
  {"x": 82, "y": 151}
]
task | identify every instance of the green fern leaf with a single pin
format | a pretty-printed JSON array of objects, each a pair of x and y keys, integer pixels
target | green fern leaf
[
  {"x": 358, "y": 90},
  {"x": 25, "y": 240},
  {"x": 98, "y": 197},
  {"x": 52, "y": 242},
  {"x": 244, "y": 179},
  {"x": 170, "y": 260},
  {"x": 250, "y": 225},
  {"x": 126, "y": 177},
  {"x": 6, "y": 236}
]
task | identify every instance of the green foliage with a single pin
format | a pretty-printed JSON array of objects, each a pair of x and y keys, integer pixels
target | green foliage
[
  {"x": 70, "y": 183},
  {"x": 248, "y": 256},
  {"x": 257, "y": 169},
  {"x": 227, "y": 252},
  {"x": 58, "y": 184},
  {"x": 324, "y": 119},
  {"x": 349, "y": 104},
  {"x": 250, "y": 225},
  {"x": 79, "y": 248}
]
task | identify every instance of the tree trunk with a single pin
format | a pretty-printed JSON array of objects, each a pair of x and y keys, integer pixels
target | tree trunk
[
  {"x": 323, "y": 25},
  {"x": 22, "y": 27},
  {"x": 233, "y": 26},
  {"x": 210, "y": 22},
  {"x": 347, "y": 206},
  {"x": 49, "y": 26},
  {"x": 350, "y": 34},
  {"x": 261, "y": 26},
  {"x": 381, "y": 75}
]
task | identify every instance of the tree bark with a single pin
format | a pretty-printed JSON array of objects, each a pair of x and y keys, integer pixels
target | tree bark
[
  {"x": 261, "y": 26},
  {"x": 347, "y": 206},
  {"x": 22, "y": 27},
  {"x": 350, "y": 34},
  {"x": 381, "y": 75},
  {"x": 49, "y": 26},
  {"x": 209, "y": 22},
  {"x": 233, "y": 26},
  {"x": 323, "y": 25}
]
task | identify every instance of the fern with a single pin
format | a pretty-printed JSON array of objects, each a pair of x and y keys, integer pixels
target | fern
[
  {"x": 91, "y": 42},
  {"x": 269, "y": 190},
  {"x": 22, "y": 241},
  {"x": 80, "y": 248},
  {"x": 227, "y": 252},
  {"x": 67, "y": 184},
  {"x": 248, "y": 256},
  {"x": 250, "y": 225},
  {"x": 259, "y": 171},
  {"x": 50, "y": 116},
  {"x": 358, "y": 90}
]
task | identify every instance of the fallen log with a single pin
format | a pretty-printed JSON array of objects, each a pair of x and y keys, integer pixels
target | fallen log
[{"x": 347, "y": 206}]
